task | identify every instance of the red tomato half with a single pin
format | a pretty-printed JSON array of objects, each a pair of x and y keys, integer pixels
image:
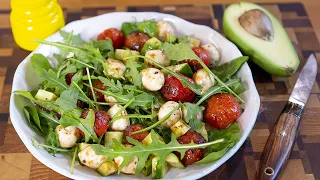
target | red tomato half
[
  {"x": 203, "y": 54},
  {"x": 222, "y": 110},
  {"x": 115, "y": 35},
  {"x": 99, "y": 85},
  {"x": 173, "y": 90},
  {"x": 101, "y": 121}
]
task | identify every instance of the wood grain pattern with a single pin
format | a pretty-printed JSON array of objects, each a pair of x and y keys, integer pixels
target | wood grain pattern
[
  {"x": 274, "y": 91},
  {"x": 280, "y": 143}
]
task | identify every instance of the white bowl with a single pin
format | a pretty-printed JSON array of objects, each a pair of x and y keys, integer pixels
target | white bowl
[{"x": 26, "y": 79}]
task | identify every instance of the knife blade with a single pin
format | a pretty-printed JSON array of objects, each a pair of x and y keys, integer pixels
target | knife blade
[{"x": 282, "y": 137}]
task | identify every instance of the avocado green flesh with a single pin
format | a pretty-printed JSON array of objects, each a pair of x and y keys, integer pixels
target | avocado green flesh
[
  {"x": 110, "y": 135},
  {"x": 174, "y": 161},
  {"x": 278, "y": 57}
]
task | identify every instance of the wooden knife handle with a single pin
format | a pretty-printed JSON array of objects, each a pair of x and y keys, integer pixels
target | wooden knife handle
[{"x": 280, "y": 143}]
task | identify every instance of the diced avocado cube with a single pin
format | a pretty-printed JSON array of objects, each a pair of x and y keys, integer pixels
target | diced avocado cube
[
  {"x": 151, "y": 44},
  {"x": 180, "y": 128},
  {"x": 158, "y": 170},
  {"x": 171, "y": 38},
  {"x": 120, "y": 54},
  {"x": 204, "y": 133},
  {"x": 44, "y": 95},
  {"x": 82, "y": 146},
  {"x": 107, "y": 168},
  {"x": 183, "y": 68},
  {"x": 148, "y": 140},
  {"x": 174, "y": 161},
  {"x": 194, "y": 42},
  {"x": 147, "y": 170},
  {"x": 110, "y": 135}
]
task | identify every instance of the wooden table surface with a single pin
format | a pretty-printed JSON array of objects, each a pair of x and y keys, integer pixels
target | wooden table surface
[{"x": 301, "y": 20}]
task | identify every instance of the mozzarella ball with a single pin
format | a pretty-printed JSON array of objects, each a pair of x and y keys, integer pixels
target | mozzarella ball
[
  {"x": 152, "y": 79},
  {"x": 165, "y": 109},
  {"x": 157, "y": 56},
  {"x": 115, "y": 68},
  {"x": 89, "y": 158},
  {"x": 110, "y": 99},
  {"x": 130, "y": 168},
  {"x": 163, "y": 30},
  {"x": 119, "y": 124},
  {"x": 68, "y": 136},
  {"x": 214, "y": 54},
  {"x": 185, "y": 112},
  {"x": 203, "y": 78}
]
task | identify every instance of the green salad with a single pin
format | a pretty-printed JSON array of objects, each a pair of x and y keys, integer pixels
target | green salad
[{"x": 136, "y": 100}]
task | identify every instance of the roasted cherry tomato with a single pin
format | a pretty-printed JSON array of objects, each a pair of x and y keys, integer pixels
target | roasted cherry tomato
[
  {"x": 99, "y": 85},
  {"x": 115, "y": 35},
  {"x": 68, "y": 78},
  {"x": 133, "y": 128},
  {"x": 222, "y": 110},
  {"x": 101, "y": 121},
  {"x": 136, "y": 40},
  {"x": 192, "y": 155},
  {"x": 202, "y": 54},
  {"x": 173, "y": 90}
]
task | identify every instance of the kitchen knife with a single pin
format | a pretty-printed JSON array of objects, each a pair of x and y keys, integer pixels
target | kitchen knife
[{"x": 281, "y": 140}]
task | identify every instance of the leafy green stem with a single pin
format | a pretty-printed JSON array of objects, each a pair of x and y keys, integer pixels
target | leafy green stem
[
  {"x": 85, "y": 64},
  {"x": 167, "y": 116},
  {"x": 89, "y": 100},
  {"x": 214, "y": 90},
  {"x": 122, "y": 109},
  {"x": 134, "y": 116},
  {"x": 217, "y": 79},
  {"x": 51, "y": 147},
  {"x": 45, "y": 115},
  {"x": 74, "y": 159},
  {"x": 91, "y": 87}
]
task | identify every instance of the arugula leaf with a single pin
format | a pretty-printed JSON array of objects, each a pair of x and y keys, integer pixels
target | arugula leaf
[
  {"x": 238, "y": 87},
  {"x": 39, "y": 61},
  {"x": 105, "y": 47},
  {"x": 144, "y": 99},
  {"x": 68, "y": 98},
  {"x": 216, "y": 89},
  {"x": 139, "y": 150},
  {"x": 49, "y": 116},
  {"x": 228, "y": 69},
  {"x": 178, "y": 52},
  {"x": 75, "y": 39},
  {"x": 132, "y": 73},
  {"x": 111, "y": 84},
  {"x": 86, "y": 125},
  {"x": 231, "y": 135},
  {"x": 52, "y": 140},
  {"x": 128, "y": 28},
  {"x": 52, "y": 81},
  {"x": 33, "y": 119},
  {"x": 69, "y": 38},
  {"x": 68, "y": 68},
  {"x": 184, "y": 39},
  {"x": 44, "y": 104},
  {"x": 192, "y": 118},
  {"x": 149, "y": 27},
  {"x": 192, "y": 111}
]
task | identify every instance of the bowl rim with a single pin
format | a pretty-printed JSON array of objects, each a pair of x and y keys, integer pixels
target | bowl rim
[{"x": 27, "y": 142}]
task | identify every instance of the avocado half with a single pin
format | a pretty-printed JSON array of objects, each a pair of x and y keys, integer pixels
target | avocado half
[{"x": 261, "y": 36}]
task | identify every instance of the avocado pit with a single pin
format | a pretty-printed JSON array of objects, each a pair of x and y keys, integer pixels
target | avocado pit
[{"x": 257, "y": 23}]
